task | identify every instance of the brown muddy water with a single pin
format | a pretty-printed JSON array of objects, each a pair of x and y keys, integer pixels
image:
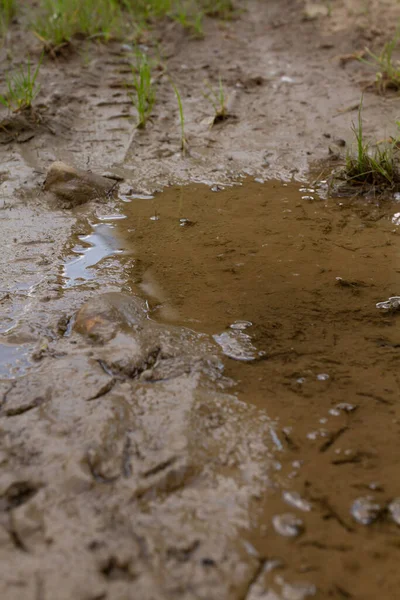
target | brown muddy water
[{"x": 286, "y": 283}]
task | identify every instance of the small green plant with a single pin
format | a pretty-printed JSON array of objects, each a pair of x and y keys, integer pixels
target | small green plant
[
  {"x": 184, "y": 144},
  {"x": 329, "y": 7},
  {"x": 388, "y": 68},
  {"x": 147, "y": 9},
  {"x": 22, "y": 88},
  {"x": 60, "y": 20},
  {"x": 218, "y": 100},
  {"x": 377, "y": 169},
  {"x": 189, "y": 15},
  {"x": 143, "y": 98},
  {"x": 222, "y": 9},
  {"x": 8, "y": 9}
]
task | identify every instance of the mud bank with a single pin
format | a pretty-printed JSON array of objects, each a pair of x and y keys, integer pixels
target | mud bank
[{"x": 124, "y": 472}]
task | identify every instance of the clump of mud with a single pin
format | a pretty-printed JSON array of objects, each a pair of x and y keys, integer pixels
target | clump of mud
[{"x": 124, "y": 468}]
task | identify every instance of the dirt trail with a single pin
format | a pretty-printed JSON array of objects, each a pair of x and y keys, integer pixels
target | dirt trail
[{"x": 229, "y": 365}]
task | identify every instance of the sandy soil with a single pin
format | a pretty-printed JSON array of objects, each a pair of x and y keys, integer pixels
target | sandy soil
[{"x": 136, "y": 460}]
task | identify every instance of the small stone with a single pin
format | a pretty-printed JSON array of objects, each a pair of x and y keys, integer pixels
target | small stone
[
  {"x": 101, "y": 317},
  {"x": 365, "y": 510},
  {"x": 288, "y": 525},
  {"x": 72, "y": 187}
]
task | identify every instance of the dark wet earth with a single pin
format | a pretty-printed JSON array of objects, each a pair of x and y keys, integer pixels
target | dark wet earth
[{"x": 282, "y": 285}]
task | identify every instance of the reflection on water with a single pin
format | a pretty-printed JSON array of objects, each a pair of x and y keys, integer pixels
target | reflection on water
[{"x": 97, "y": 246}]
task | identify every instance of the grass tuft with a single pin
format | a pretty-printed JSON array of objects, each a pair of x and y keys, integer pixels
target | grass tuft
[
  {"x": 220, "y": 9},
  {"x": 370, "y": 171},
  {"x": 61, "y": 20},
  {"x": 189, "y": 15},
  {"x": 22, "y": 88},
  {"x": 144, "y": 97},
  {"x": 184, "y": 143},
  {"x": 218, "y": 99},
  {"x": 8, "y": 9},
  {"x": 388, "y": 68}
]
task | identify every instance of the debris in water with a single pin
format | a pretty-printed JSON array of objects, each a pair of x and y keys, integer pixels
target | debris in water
[
  {"x": 293, "y": 591},
  {"x": 393, "y": 303},
  {"x": 237, "y": 345},
  {"x": 295, "y": 500},
  {"x": 186, "y": 222},
  {"x": 396, "y": 219},
  {"x": 132, "y": 196},
  {"x": 365, "y": 510},
  {"x": 241, "y": 325},
  {"x": 322, "y": 376},
  {"x": 394, "y": 510},
  {"x": 288, "y": 525},
  {"x": 342, "y": 407},
  {"x": 287, "y": 79}
]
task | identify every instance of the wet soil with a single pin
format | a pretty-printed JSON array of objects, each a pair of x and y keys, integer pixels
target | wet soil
[
  {"x": 286, "y": 283},
  {"x": 198, "y": 394}
]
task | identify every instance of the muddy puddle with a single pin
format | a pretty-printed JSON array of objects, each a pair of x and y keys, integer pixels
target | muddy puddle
[{"x": 286, "y": 284}]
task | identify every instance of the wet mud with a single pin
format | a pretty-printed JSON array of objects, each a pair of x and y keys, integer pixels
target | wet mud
[
  {"x": 198, "y": 391},
  {"x": 127, "y": 468},
  {"x": 286, "y": 283}
]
